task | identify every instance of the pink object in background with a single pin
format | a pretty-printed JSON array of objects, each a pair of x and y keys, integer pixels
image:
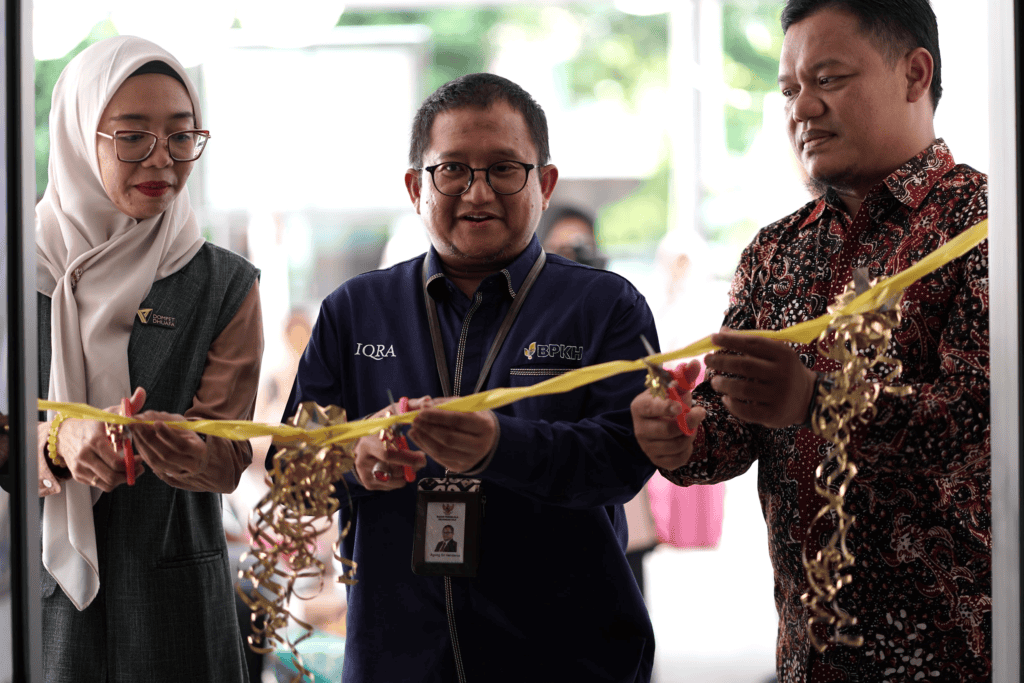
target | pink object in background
[{"x": 687, "y": 516}]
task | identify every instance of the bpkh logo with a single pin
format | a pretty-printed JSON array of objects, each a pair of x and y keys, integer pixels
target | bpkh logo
[
  {"x": 562, "y": 351},
  {"x": 375, "y": 351}
]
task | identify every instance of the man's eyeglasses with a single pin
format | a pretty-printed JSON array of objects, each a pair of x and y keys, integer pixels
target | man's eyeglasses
[
  {"x": 453, "y": 178},
  {"x": 137, "y": 145}
]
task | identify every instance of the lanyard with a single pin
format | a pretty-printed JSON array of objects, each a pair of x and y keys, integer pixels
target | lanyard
[{"x": 506, "y": 325}]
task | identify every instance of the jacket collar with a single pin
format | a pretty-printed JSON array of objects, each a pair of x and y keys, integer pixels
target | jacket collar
[
  {"x": 510, "y": 277},
  {"x": 909, "y": 184}
]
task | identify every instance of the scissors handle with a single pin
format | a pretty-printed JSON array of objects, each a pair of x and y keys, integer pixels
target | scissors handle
[{"x": 686, "y": 384}]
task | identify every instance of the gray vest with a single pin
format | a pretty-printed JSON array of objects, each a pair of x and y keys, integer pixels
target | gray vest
[{"x": 165, "y": 609}]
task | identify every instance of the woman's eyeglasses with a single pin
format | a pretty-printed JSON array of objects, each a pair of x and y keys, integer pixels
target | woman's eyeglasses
[{"x": 137, "y": 145}]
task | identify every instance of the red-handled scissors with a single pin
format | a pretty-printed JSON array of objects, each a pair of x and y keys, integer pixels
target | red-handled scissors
[
  {"x": 394, "y": 440},
  {"x": 121, "y": 437},
  {"x": 667, "y": 384}
]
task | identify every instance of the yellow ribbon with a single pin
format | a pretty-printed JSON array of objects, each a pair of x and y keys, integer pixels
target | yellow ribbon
[{"x": 802, "y": 333}]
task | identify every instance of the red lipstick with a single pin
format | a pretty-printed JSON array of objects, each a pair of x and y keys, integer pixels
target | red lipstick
[{"x": 154, "y": 189}]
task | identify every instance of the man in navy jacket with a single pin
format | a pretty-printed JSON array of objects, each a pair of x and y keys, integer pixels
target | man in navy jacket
[{"x": 483, "y": 309}]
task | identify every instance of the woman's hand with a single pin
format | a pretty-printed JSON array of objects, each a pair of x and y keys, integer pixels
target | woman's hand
[
  {"x": 88, "y": 452},
  {"x": 49, "y": 484},
  {"x": 172, "y": 454}
]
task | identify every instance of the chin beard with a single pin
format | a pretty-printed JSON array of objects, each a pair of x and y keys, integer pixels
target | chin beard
[
  {"x": 484, "y": 261},
  {"x": 843, "y": 182},
  {"x": 816, "y": 187}
]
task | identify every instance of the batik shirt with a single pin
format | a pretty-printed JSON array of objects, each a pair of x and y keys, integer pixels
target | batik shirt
[{"x": 922, "y": 539}]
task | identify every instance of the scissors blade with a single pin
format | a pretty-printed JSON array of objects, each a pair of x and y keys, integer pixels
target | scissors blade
[
  {"x": 399, "y": 428},
  {"x": 664, "y": 374},
  {"x": 647, "y": 345}
]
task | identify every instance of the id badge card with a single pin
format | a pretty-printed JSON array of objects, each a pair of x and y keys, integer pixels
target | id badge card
[{"x": 449, "y": 512}]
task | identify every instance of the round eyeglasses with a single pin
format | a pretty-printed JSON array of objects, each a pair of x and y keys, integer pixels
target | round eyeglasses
[
  {"x": 453, "y": 178},
  {"x": 137, "y": 145}
]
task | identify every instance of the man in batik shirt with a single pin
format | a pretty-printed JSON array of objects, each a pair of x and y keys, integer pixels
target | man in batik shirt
[{"x": 861, "y": 81}]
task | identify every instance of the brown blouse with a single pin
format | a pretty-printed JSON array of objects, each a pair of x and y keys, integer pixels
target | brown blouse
[{"x": 227, "y": 391}]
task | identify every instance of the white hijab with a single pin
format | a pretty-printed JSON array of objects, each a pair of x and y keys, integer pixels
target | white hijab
[{"x": 78, "y": 228}]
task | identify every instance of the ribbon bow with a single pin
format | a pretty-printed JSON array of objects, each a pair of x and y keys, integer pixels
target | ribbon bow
[{"x": 287, "y": 521}]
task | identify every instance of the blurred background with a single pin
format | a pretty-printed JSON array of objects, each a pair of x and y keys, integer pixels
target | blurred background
[{"x": 666, "y": 126}]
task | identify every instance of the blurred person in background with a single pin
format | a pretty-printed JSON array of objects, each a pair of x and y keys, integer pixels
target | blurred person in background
[
  {"x": 570, "y": 232},
  {"x": 687, "y": 296},
  {"x": 689, "y": 303},
  {"x": 435, "y": 326},
  {"x": 136, "y": 583},
  {"x": 861, "y": 80}
]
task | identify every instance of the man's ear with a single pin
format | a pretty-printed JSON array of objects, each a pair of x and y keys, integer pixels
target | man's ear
[
  {"x": 548, "y": 180},
  {"x": 413, "y": 187},
  {"x": 920, "y": 70}
]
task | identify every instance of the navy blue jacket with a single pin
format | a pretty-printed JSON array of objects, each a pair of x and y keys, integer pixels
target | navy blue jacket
[{"x": 553, "y": 599}]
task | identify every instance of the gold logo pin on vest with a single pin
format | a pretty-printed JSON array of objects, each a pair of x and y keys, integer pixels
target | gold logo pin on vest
[{"x": 148, "y": 317}]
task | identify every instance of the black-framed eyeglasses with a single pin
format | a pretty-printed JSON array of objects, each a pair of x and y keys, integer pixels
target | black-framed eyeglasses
[
  {"x": 137, "y": 145},
  {"x": 453, "y": 178}
]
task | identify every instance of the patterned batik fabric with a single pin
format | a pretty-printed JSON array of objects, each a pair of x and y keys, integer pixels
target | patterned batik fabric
[{"x": 922, "y": 539}]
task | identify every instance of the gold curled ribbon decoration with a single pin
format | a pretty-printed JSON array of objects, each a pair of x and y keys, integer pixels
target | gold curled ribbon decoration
[
  {"x": 858, "y": 343},
  {"x": 328, "y": 442},
  {"x": 285, "y": 525}
]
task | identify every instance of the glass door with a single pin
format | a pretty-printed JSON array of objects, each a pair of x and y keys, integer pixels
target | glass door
[{"x": 20, "y": 630}]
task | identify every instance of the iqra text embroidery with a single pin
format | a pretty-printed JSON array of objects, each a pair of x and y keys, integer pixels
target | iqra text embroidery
[{"x": 375, "y": 351}]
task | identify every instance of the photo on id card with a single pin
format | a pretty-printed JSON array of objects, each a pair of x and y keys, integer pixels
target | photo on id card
[{"x": 447, "y": 528}]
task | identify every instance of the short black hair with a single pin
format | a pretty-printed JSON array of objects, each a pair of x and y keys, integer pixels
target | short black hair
[
  {"x": 480, "y": 91},
  {"x": 898, "y": 26},
  {"x": 446, "y": 527}
]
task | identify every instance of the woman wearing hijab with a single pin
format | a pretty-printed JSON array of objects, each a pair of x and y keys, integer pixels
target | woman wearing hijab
[{"x": 134, "y": 303}]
